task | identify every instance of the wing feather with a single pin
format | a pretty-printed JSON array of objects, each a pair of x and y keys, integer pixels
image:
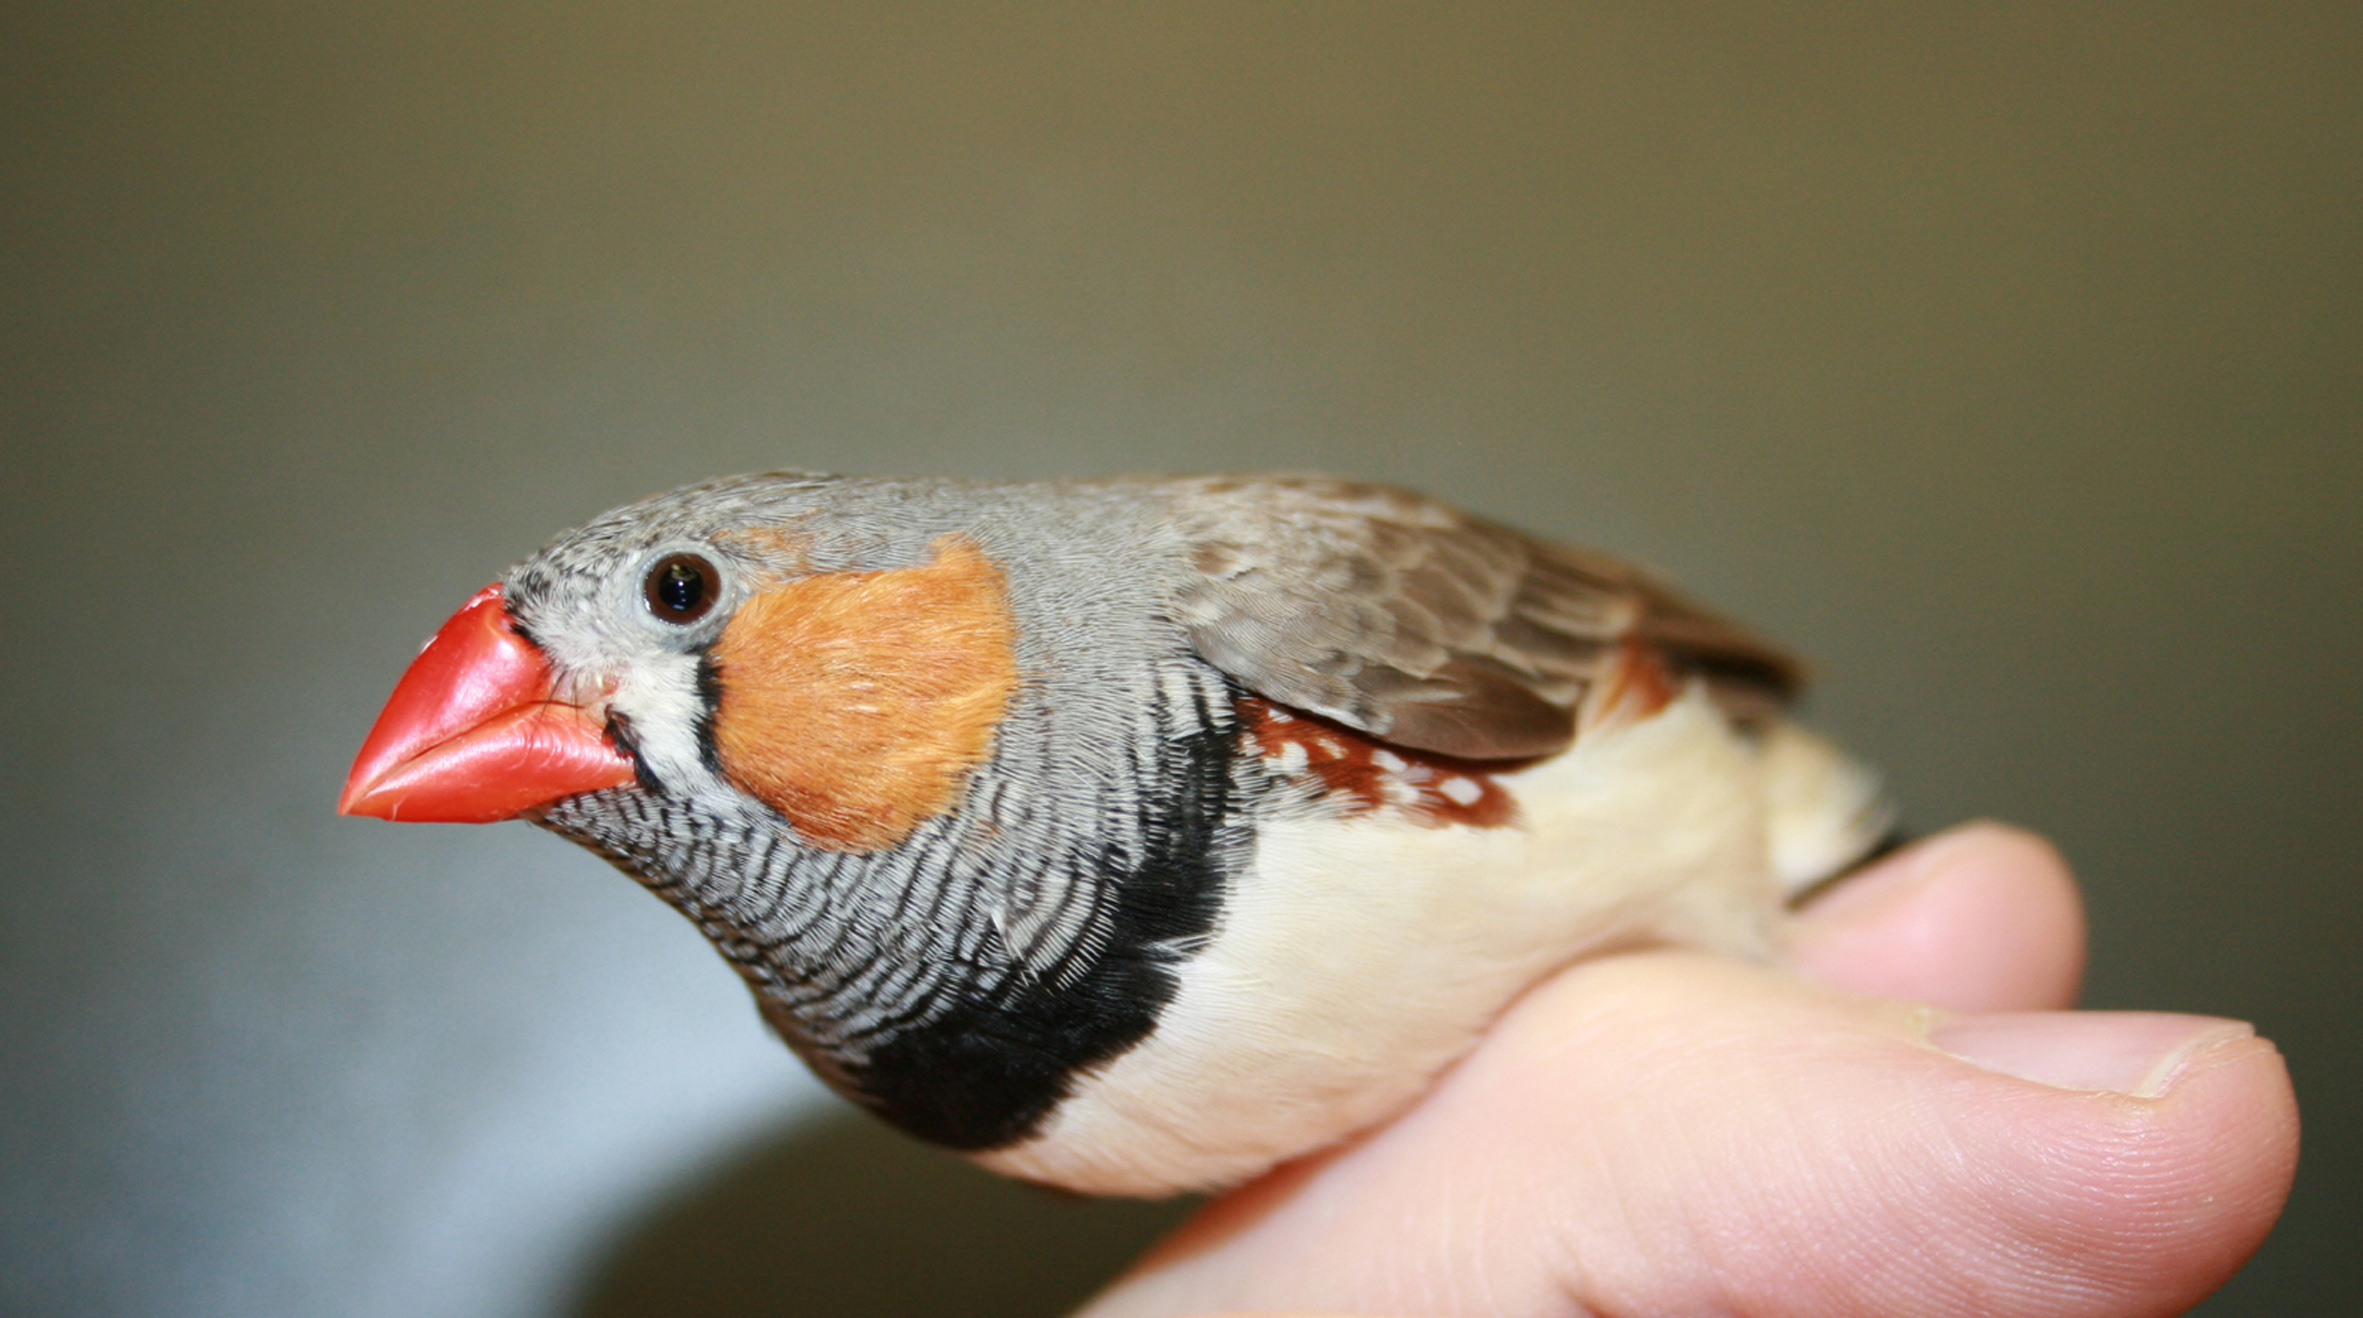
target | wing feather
[{"x": 1423, "y": 626}]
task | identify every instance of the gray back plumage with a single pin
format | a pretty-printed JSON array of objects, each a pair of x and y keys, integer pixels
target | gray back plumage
[{"x": 1423, "y": 626}]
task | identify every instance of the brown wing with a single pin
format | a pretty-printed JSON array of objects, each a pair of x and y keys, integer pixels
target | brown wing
[{"x": 1431, "y": 629}]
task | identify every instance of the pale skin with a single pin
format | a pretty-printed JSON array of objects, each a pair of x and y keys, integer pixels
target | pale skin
[{"x": 1908, "y": 1123}]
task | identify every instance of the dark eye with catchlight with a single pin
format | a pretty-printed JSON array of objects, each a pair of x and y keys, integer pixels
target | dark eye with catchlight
[{"x": 681, "y": 588}]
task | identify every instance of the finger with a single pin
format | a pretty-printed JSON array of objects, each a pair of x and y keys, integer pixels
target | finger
[
  {"x": 1979, "y": 918},
  {"x": 1673, "y": 1133}
]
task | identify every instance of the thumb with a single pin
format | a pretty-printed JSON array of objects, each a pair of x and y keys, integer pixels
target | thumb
[{"x": 1671, "y": 1132}]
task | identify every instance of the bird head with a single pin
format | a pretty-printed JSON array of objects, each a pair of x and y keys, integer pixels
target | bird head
[{"x": 720, "y": 644}]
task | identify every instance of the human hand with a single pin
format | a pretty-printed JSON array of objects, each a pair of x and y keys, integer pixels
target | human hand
[{"x": 1666, "y": 1132}]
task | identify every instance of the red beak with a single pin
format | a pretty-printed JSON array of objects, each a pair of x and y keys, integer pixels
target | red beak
[{"x": 472, "y": 733}]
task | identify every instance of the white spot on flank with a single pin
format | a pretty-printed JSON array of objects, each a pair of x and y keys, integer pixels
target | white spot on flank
[
  {"x": 1291, "y": 757},
  {"x": 1460, "y": 791},
  {"x": 1387, "y": 760}
]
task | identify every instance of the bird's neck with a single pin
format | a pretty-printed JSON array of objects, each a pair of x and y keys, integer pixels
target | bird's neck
[{"x": 955, "y": 982}]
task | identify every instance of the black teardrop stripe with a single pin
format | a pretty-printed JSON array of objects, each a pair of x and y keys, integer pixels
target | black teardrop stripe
[
  {"x": 986, "y": 1073},
  {"x": 709, "y": 699}
]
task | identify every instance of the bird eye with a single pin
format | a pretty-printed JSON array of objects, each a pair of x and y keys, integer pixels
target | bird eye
[{"x": 681, "y": 588}]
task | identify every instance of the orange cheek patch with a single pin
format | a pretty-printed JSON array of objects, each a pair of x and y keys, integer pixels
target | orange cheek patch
[
  {"x": 1366, "y": 776},
  {"x": 855, "y": 703}
]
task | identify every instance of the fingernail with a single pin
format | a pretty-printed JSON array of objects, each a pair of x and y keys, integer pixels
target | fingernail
[{"x": 2141, "y": 1053}]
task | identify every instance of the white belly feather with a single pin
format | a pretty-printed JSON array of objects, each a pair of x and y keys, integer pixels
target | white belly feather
[{"x": 1356, "y": 957}]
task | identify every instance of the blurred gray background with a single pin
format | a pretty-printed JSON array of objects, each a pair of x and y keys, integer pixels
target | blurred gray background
[{"x": 2006, "y": 359}]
